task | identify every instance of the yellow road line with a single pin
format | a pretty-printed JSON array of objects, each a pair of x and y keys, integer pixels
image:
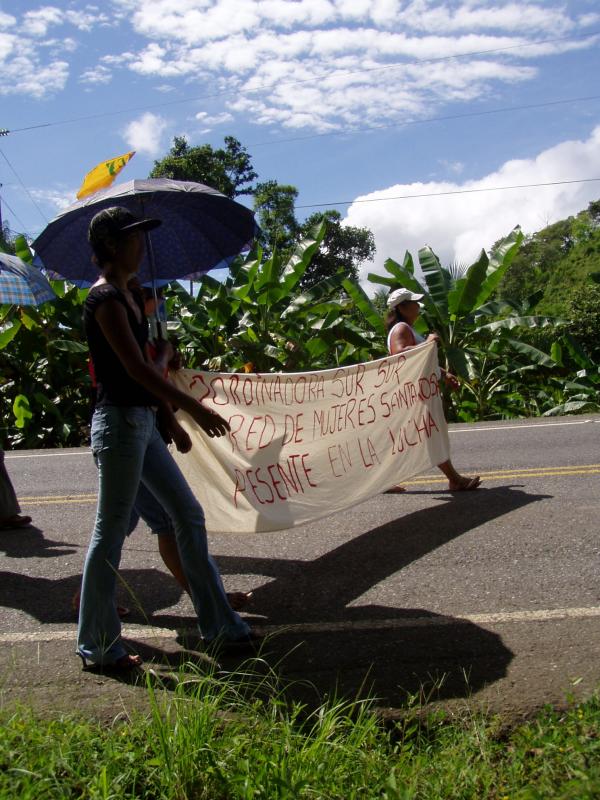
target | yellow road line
[
  {"x": 42, "y": 497},
  {"x": 553, "y": 473},
  {"x": 548, "y": 469},
  {"x": 50, "y": 500},
  {"x": 521, "y": 472}
]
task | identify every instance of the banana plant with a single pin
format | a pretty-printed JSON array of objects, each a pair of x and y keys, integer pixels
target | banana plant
[
  {"x": 578, "y": 394},
  {"x": 453, "y": 305},
  {"x": 44, "y": 383},
  {"x": 258, "y": 320}
]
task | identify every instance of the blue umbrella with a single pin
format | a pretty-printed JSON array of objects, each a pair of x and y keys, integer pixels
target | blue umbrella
[
  {"x": 21, "y": 283},
  {"x": 201, "y": 229}
]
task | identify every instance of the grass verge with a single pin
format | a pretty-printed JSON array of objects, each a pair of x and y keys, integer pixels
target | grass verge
[{"x": 216, "y": 737}]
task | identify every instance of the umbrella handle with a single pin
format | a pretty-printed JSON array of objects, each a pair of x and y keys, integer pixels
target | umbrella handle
[
  {"x": 156, "y": 324},
  {"x": 157, "y": 328}
]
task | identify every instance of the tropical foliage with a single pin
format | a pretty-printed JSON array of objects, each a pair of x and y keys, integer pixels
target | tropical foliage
[
  {"x": 260, "y": 320},
  {"x": 45, "y": 390},
  {"x": 485, "y": 340},
  {"x": 511, "y": 361},
  {"x": 557, "y": 261}
]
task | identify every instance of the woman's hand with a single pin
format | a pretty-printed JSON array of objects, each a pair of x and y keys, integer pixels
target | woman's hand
[
  {"x": 451, "y": 381},
  {"x": 210, "y": 422},
  {"x": 181, "y": 438},
  {"x": 433, "y": 337},
  {"x": 176, "y": 362}
]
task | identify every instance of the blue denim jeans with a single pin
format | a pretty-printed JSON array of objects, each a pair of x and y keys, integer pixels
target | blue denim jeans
[
  {"x": 128, "y": 450},
  {"x": 150, "y": 510}
]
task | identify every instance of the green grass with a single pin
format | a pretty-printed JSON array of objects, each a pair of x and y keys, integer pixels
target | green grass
[{"x": 218, "y": 737}]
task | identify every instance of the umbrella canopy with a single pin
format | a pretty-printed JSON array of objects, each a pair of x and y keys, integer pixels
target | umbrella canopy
[
  {"x": 201, "y": 229},
  {"x": 22, "y": 284}
]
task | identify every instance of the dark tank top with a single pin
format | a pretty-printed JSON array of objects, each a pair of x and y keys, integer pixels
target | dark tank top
[{"x": 114, "y": 386}]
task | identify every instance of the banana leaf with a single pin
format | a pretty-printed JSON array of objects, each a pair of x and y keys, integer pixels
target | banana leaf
[
  {"x": 22, "y": 249},
  {"x": 509, "y": 323},
  {"x": 301, "y": 258},
  {"x": 462, "y": 299},
  {"x": 438, "y": 280},
  {"x": 535, "y": 356},
  {"x": 499, "y": 261},
  {"x": 364, "y": 305}
]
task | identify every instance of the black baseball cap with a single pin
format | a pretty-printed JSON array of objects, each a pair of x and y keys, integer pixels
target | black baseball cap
[{"x": 110, "y": 222}]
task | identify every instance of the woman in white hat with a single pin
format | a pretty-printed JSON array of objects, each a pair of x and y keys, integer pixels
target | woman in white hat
[{"x": 404, "y": 308}]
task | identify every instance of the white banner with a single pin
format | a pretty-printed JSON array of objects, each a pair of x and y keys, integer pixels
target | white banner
[{"x": 309, "y": 444}]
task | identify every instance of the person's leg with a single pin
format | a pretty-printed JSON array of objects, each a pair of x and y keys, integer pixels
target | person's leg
[
  {"x": 167, "y": 547},
  {"x": 162, "y": 477},
  {"x": 156, "y": 518},
  {"x": 456, "y": 481},
  {"x": 122, "y": 611},
  {"x": 10, "y": 516},
  {"x": 159, "y": 522},
  {"x": 119, "y": 439}
]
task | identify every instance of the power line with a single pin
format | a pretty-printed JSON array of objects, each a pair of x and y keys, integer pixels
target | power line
[
  {"x": 290, "y": 84},
  {"x": 449, "y": 192},
  {"x": 20, "y": 221},
  {"x": 44, "y": 217},
  {"x": 445, "y": 118},
  {"x": 439, "y": 194}
]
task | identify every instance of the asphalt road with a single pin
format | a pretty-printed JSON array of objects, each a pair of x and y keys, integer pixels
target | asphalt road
[{"x": 490, "y": 597}]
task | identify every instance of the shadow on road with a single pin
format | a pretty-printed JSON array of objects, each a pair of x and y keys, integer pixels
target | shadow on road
[
  {"x": 30, "y": 543},
  {"x": 400, "y": 652},
  {"x": 49, "y": 601},
  {"x": 321, "y": 590},
  {"x": 417, "y": 648}
]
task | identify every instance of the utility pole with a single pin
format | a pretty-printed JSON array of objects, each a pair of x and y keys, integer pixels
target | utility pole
[{"x": 3, "y": 132}]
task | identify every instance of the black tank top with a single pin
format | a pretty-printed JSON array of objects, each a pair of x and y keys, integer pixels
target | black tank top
[{"x": 114, "y": 385}]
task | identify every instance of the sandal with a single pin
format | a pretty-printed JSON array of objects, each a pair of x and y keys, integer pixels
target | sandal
[
  {"x": 466, "y": 485},
  {"x": 395, "y": 490},
  {"x": 16, "y": 521},
  {"x": 126, "y": 663}
]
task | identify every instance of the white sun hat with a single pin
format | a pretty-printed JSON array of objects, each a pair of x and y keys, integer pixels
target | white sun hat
[{"x": 401, "y": 295}]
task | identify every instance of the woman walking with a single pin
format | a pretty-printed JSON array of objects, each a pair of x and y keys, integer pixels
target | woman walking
[
  {"x": 128, "y": 449},
  {"x": 404, "y": 309}
]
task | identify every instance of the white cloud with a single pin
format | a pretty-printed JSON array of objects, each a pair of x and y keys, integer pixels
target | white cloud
[
  {"x": 37, "y": 23},
  {"x": 145, "y": 134},
  {"x": 363, "y": 62},
  {"x": 86, "y": 20},
  {"x": 7, "y": 20},
  {"x": 210, "y": 121},
  {"x": 457, "y": 226},
  {"x": 436, "y": 17},
  {"x": 587, "y": 20},
  {"x": 455, "y": 167},
  {"x": 30, "y": 62},
  {"x": 97, "y": 75},
  {"x": 23, "y": 72},
  {"x": 55, "y": 199}
]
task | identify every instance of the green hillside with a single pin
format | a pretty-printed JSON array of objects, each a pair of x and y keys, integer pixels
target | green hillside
[{"x": 558, "y": 261}]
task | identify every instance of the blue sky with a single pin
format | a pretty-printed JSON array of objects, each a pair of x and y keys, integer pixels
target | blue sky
[{"x": 454, "y": 96}]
